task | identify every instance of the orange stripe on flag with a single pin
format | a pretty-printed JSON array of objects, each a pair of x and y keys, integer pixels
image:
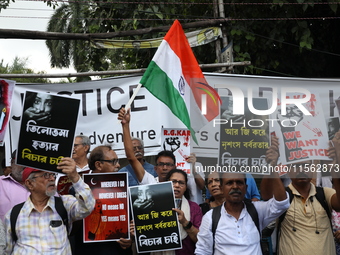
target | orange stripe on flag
[{"x": 192, "y": 72}]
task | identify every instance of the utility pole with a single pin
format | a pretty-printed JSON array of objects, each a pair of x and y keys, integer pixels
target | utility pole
[
  {"x": 226, "y": 55},
  {"x": 222, "y": 15},
  {"x": 217, "y": 42}
]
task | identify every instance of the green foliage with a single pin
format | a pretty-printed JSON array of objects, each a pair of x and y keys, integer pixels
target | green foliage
[
  {"x": 4, "y": 4},
  {"x": 286, "y": 44},
  {"x": 19, "y": 66},
  {"x": 276, "y": 38}
]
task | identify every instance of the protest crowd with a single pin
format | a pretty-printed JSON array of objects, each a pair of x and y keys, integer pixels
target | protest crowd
[{"x": 233, "y": 220}]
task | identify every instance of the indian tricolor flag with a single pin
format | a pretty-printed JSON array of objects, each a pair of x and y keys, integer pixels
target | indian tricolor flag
[{"x": 175, "y": 78}]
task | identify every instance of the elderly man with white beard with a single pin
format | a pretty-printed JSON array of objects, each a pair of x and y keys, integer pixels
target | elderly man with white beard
[{"x": 39, "y": 227}]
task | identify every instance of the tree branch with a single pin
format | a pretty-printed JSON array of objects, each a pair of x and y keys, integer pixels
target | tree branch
[
  {"x": 39, "y": 35},
  {"x": 114, "y": 72}
]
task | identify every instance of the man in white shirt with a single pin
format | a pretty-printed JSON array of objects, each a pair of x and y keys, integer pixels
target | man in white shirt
[
  {"x": 81, "y": 148},
  {"x": 236, "y": 232},
  {"x": 165, "y": 161}
]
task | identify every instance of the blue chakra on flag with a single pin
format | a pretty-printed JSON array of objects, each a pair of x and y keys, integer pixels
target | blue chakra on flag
[{"x": 181, "y": 86}]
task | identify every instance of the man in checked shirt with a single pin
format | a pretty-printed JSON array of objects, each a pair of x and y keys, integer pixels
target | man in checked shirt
[{"x": 39, "y": 227}]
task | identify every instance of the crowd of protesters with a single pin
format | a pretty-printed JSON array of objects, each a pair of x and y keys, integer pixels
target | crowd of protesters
[{"x": 231, "y": 221}]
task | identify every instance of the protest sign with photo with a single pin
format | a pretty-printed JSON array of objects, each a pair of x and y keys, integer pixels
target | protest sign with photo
[
  {"x": 156, "y": 225},
  {"x": 304, "y": 137},
  {"x": 6, "y": 92},
  {"x": 64, "y": 184},
  {"x": 178, "y": 141},
  {"x": 109, "y": 220},
  {"x": 244, "y": 139},
  {"x": 47, "y": 130}
]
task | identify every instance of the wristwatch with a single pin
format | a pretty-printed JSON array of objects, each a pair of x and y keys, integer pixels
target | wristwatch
[{"x": 188, "y": 226}]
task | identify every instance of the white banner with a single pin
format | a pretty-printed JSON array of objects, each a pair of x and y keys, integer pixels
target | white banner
[
  {"x": 99, "y": 107},
  {"x": 101, "y": 100}
]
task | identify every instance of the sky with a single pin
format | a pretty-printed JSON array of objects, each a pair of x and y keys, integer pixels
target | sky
[{"x": 27, "y": 15}]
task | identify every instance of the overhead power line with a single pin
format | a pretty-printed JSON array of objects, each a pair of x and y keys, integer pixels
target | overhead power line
[
  {"x": 182, "y": 19},
  {"x": 39, "y": 35},
  {"x": 188, "y": 3}
]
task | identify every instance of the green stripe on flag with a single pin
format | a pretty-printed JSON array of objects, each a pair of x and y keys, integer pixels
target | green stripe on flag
[{"x": 161, "y": 86}]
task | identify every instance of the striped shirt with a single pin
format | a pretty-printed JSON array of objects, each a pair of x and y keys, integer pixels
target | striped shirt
[{"x": 34, "y": 230}]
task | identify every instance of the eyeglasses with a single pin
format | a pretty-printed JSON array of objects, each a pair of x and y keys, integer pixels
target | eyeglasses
[
  {"x": 77, "y": 144},
  {"x": 46, "y": 175},
  {"x": 138, "y": 148},
  {"x": 112, "y": 161},
  {"x": 180, "y": 183},
  {"x": 164, "y": 164}
]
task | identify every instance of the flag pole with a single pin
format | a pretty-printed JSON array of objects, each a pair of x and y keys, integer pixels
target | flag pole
[{"x": 127, "y": 106}]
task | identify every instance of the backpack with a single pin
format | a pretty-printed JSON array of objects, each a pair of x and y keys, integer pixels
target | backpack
[
  {"x": 216, "y": 215},
  {"x": 59, "y": 206}
]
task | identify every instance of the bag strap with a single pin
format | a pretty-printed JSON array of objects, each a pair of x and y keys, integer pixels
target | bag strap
[
  {"x": 205, "y": 207},
  {"x": 61, "y": 210},
  {"x": 59, "y": 206},
  {"x": 216, "y": 215},
  {"x": 253, "y": 214},
  {"x": 320, "y": 196},
  {"x": 13, "y": 219}
]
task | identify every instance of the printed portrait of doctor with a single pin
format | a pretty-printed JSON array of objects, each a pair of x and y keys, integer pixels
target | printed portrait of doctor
[
  {"x": 227, "y": 111},
  {"x": 38, "y": 107},
  {"x": 333, "y": 126},
  {"x": 144, "y": 199}
]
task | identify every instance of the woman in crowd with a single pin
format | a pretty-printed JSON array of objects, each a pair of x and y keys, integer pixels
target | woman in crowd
[
  {"x": 189, "y": 213},
  {"x": 212, "y": 182}
]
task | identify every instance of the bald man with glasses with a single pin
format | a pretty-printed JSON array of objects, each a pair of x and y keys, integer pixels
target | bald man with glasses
[
  {"x": 39, "y": 227},
  {"x": 103, "y": 159}
]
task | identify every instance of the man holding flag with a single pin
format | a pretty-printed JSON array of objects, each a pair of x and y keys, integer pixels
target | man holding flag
[{"x": 175, "y": 78}]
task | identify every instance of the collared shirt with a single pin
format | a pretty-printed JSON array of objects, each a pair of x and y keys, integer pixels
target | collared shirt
[
  {"x": 82, "y": 169},
  {"x": 132, "y": 178},
  {"x": 237, "y": 236},
  {"x": 307, "y": 216},
  {"x": 34, "y": 230},
  {"x": 11, "y": 193}
]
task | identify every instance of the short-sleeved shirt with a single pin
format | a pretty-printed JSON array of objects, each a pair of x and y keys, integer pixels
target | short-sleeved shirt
[{"x": 307, "y": 216}]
